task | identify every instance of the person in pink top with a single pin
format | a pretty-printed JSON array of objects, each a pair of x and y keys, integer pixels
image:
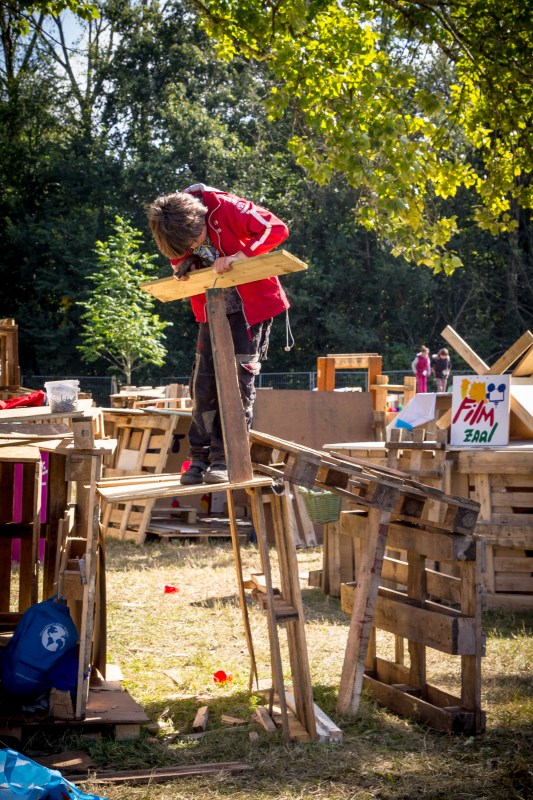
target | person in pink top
[
  {"x": 206, "y": 227},
  {"x": 422, "y": 367}
]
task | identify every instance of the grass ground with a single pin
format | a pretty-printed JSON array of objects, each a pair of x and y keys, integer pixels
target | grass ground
[{"x": 198, "y": 630}]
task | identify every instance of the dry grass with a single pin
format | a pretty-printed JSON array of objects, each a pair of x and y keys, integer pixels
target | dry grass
[{"x": 199, "y": 630}]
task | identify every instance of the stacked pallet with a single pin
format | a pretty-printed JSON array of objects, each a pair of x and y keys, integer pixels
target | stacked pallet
[
  {"x": 501, "y": 480},
  {"x": 498, "y": 478},
  {"x": 392, "y": 510}
]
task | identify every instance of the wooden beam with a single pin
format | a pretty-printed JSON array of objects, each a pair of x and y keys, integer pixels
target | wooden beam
[
  {"x": 248, "y": 270},
  {"x": 466, "y": 352},
  {"x": 232, "y": 417},
  {"x": 368, "y": 580},
  {"x": 512, "y": 354}
]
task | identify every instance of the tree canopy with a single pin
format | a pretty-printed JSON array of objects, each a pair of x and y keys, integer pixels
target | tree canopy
[
  {"x": 360, "y": 76},
  {"x": 98, "y": 119}
]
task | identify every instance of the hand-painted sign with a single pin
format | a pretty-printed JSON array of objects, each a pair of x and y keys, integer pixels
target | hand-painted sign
[{"x": 480, "y": 410}]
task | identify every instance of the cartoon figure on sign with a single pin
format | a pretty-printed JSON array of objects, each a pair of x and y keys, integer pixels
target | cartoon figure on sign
[{"x": 496, "y": 394}]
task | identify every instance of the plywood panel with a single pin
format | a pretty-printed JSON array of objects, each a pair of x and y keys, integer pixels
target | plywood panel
[{"x": 314, "y": 418}]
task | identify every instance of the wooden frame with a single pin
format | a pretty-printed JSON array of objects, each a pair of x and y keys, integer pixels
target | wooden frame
[{"x": 327, "y": 366}]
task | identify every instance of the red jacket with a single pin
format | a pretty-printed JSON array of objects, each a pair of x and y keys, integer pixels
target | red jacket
[{"x": 236, "y": 225}]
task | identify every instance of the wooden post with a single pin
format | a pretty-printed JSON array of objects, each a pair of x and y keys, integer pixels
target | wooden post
[
  {"x": 233, "y": 421},
  {"x": 369, "y": 577},
  {"x": 242, "y": 595}
]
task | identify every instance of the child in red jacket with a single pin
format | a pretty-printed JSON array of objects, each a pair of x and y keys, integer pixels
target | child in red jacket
[
  {"x": 203, "y": 227},
  {"x": 421, "y": 367}
]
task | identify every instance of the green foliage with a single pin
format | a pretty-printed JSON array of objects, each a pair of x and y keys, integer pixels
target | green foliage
[
  {"x": 118, "y": 323},
  {"x": 356, "y": 71},
  {"x": 87, "y": 134}
]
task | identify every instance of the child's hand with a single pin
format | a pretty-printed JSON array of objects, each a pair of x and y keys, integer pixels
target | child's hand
[{"x": 223, "y": 264}]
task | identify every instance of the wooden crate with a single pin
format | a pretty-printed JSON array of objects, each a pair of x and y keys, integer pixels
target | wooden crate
[{"x": 144, "y": 441}]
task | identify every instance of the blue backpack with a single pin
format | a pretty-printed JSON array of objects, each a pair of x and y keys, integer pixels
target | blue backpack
[{"x": 42, "y": 652}]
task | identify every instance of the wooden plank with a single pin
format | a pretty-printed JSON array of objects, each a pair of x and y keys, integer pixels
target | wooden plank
[
  {"x": 368, "y": 578},
  {"x": 280, "y": 262},
  {"x": 89, "y": 520},
  {"x": 507, "y": 564},
  {"x": 290, "y": 587},
  {"x": 436, "y": 546},
  {"x": 512, "y": 354},
  {"x": 511, "y": 602},
  {"x": 232, "y": 418},
  {"x": 508, "y": 535},
  {"x": 258, "y": 516},
  {"x": 264, "y": 719},
  {"x": 240, "y": 583},
  {"x": 432, "y": 626},
  {"x": 513, "y": 583},
  {"x": 170, "y": 486},
  {"x": 466, "y": 352},
  {"x": 504, "y": 461},
  {"x": 161, "y": 774},
  {"x": 524, "y": 368}
]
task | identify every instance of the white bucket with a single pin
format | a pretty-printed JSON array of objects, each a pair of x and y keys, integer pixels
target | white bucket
[{"x": 62, "y": 395}]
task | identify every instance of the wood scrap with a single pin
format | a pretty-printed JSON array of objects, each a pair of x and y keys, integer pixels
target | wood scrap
[
  {"x": 262, "y": 716},
  {"x": 226, "y": 719},
  {"x": 161, "y": 774},
  {"x": 200, "y": 720}
]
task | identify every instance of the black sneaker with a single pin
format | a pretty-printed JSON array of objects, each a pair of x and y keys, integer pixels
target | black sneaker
[
  {"x": 217, "y": 472},
  {"x": 195, "y": 474}
]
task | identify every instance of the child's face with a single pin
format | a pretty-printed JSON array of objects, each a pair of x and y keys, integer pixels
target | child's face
[{"x": 197, "y": 242}]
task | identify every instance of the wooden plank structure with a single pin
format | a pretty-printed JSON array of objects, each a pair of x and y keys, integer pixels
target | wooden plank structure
[
  {"x": 500, "y": 479},
  {"x": 24, "y": 523},
  {"x": 174, "y": 395},
  {"x": 144, "y": 440},
  {"x": 328, "y": 365},
  {"x": 278, "y": 262},
  {"x": 521, "y": 351},
  {"x": 240, "y": 472},
  {"x": 383, "y": 392},
  {"x": 9, "y": 356},
  {"x": 392, "y": 509},
  {"x": 73, "y": 559}
]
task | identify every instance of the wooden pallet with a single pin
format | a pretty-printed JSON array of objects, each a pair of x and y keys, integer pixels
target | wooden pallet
[
  {"x": 204, "y": 529},
  {"x": 499, "y": 479},
  {"x": 144, "y": 440},
  {"x": 9, "y": 355},
  {"x": 427, "y": 608},
  {"x": 395, "y": 510},
  {"x": 19, "y": 465},
  {"x": 110, "y": 709}
]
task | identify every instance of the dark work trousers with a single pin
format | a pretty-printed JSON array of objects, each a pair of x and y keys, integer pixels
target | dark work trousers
[{"x": 251, "y": 346}]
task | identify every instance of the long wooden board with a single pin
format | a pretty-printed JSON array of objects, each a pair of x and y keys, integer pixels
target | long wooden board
[{"x": 279, "y": 262}]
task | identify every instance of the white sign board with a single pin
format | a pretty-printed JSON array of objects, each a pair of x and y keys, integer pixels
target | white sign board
[{"x": 480, "y": 410}]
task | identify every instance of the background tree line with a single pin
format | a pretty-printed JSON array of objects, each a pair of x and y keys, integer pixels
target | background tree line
[{"x": 99, "y": 116}]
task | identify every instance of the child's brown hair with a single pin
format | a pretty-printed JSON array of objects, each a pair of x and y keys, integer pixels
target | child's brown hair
[{"x": 176, "y": 220}]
